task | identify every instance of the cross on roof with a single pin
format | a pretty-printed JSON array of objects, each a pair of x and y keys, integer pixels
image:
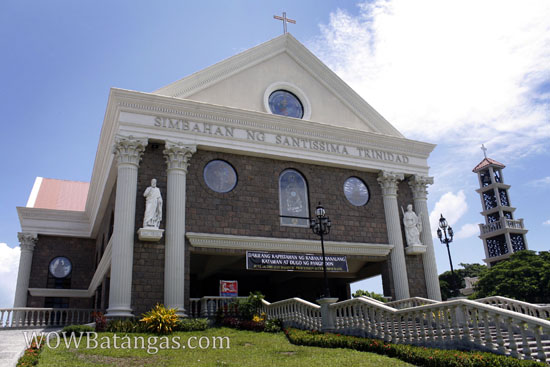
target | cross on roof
[
  {"x": 484, "y": 150},
  {"x": 285, "y": 21}
]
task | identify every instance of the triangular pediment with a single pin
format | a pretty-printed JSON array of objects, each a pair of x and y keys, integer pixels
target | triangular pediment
[{"x": 245, "y": 81}]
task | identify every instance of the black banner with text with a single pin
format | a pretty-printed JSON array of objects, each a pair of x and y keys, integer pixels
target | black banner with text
[{"x": 278, "y": 261}]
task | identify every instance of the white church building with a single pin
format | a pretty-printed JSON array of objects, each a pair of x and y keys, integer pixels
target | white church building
[{"x": 241, "y": 153}]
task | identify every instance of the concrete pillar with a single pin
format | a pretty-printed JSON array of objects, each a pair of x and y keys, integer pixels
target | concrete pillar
[
  {"x": 327, "y": 315},
  {"x": 128, "y": 152},
  {"x": 389, "y": 181},
  {"x": 419, "y": 189},
  {"x": 177, "y": 159},
  {"x": 27, "y": 241}
]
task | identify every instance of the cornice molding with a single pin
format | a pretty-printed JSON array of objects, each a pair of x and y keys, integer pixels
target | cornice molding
[
  {"x": 209, "y": 240},
  {"x": 55, "y": 292},
  {"x": 54, "y": 222}
]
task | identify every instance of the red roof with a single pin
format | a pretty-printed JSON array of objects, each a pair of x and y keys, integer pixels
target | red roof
[
  {"x": 49, "y": 193},
  {"x": 487, "y": 162}
]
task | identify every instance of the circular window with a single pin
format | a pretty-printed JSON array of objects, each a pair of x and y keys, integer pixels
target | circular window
[
  {"x": 356, "y": 191},
  {"x": 282, "y": 102},
  {"x": 220, "y": 176},
  {"x": 60, "y": 267}
]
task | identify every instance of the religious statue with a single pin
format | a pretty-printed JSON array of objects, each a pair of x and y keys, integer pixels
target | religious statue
[
  {"x": 413, "y": 226},
  {"x": 153, "y": 206}
]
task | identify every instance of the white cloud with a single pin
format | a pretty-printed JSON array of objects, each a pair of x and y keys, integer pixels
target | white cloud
[
  {"x": 455, "y": 72},
  {"x": 541, "y": 182},
  {"x": 9, "y": 264},
  {"x": 468, "y": 230},
  {"x": 546, "y": 223},
  {"x": 452, "y": 206}
]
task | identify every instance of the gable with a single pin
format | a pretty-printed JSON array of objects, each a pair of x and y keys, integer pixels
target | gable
[{"x": 245, "y": 80}]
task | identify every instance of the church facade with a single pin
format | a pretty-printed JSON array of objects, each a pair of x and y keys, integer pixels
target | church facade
[{"x": 237, "y": 157}]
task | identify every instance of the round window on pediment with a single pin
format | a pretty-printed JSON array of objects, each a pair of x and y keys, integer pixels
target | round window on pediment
[
  {"x": 287, "y": 99},
  {"x": 220, "y": 176},
  {"x": 60, "y": 267},
  {"x": 282, "y": 102},
  {"x": 356, "y": 191}
]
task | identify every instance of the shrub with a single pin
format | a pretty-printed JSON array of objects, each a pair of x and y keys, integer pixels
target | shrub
[
  {"x": 160, "y": 320},
  {"x": 250, "y": 306},
  {"x": 273, "y": 326},
  {"x": 125, "y": 326},
  {"x": 77, "y": 329},
  {"x": 419, "y": 356},
  {"x": 100, "y": 321},
  {"x": 192, "y": 325},
  {"x": 30, "y": 357}
]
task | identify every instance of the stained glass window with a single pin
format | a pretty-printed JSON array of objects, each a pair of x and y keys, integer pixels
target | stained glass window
[
  {"x": 60, "y": 267},
  {"x": 293, "y": 199},
  {"x": 220, "y": 176},
  {"x": 356, "y": 191},
  {"x": 282, "y": 102}
]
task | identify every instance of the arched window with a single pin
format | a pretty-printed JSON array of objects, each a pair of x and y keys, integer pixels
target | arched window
[{"x": 293, "y": 199}]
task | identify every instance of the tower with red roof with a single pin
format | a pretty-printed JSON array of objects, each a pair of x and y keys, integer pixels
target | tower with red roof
[{"x": 502, "y": 233}]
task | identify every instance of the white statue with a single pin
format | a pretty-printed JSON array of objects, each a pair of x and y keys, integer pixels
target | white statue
[
  {"x": 413, "y": 226},
  {"x": 153, "y": 206}
]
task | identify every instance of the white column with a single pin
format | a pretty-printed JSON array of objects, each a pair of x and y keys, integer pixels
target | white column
[
  {"x": 128, "y": 152},
  {"x": 27, "y": 241},
  {"x": 389, "y": 181},
  {"x": 419, "y": 189},
  {"x": 177, "y": 159}
]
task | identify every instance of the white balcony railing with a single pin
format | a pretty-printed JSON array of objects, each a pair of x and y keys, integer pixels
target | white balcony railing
[{"x": 502, "y": 223}]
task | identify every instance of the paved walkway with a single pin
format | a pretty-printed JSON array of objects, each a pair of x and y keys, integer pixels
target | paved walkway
[{"x": 12, "y": 344}]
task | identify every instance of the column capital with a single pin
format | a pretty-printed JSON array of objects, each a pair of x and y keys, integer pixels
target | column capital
[
  {"x": 27, "y": 240},
  {"x": 419, "y": 186},
  {"x": 177, "y": 154},
  {"x": 389, "y": 181},
  {"x": 128, "y": 149}
]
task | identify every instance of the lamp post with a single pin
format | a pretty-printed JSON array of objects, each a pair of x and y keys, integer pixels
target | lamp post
[
  {"x": 442, "y": 231},
  {"x": 321, "y": 226}
]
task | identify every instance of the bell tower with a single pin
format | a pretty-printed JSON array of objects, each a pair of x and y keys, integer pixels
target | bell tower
[{"x": 502, "y": 234}]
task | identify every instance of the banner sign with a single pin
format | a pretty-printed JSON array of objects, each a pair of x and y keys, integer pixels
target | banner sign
[
  {"x": 278, "y": 261},
  {"x": 229, "y": 288}
]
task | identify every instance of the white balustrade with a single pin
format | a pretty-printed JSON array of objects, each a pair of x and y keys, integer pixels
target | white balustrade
[
  {"x": 525, "y": 308},
  {"x": 30, "y": 317}
]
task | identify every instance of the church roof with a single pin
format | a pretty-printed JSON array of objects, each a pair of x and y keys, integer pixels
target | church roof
[
  {"x": 239, "y": 80},
  {"x": 49, "y": 193},
  {"x": 487, "y": 162}
]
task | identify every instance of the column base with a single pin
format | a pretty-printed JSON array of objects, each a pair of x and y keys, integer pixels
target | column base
[{"x": 119, "y": 312}]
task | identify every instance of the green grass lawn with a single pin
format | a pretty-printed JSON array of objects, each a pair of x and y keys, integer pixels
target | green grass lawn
[{"x": 246, "y": 349}]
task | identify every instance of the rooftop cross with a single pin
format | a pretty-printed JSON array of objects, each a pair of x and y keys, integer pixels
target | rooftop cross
[
  {"x": 285, "y": 21},
  {"x": 484, "y": 150}
]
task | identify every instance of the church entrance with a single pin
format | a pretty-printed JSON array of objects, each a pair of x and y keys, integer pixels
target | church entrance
[{"x": 207, "y": 268}]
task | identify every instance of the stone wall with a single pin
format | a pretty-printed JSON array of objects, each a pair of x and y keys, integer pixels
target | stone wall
[
  {"x": 252, "y": 207},
  {"x": 79, "y": 251}
]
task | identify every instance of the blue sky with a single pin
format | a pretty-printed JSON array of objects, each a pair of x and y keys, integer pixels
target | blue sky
[{"x": 454, "y": 73}]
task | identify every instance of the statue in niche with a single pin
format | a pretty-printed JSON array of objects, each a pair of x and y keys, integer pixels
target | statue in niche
[
  {"x": 413, "y": 226},
  {"x": 153, "y": 206}
]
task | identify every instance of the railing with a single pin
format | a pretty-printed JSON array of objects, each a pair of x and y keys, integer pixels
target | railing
[
  {"x": 501, "y": 224},
  {"x": 458, "y": 323},
  {"x": 29, "y": 317},
  {"x": 525, "y": 308},
  {"x": 209, "y": 306},
  {"x": 296, "y": 312},
  {"x": 411, "y": 302}
]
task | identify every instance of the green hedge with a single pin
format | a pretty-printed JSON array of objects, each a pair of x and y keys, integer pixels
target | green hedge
[
  {"x": 420, "y": 356},
  {"x": 192, "y": 325},
  {"x": 30, "y": 357}
]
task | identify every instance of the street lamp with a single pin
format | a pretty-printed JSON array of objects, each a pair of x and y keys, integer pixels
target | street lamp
[
  {"x": 442, "y": 231},
  {"x": 321, "y": 226}
]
